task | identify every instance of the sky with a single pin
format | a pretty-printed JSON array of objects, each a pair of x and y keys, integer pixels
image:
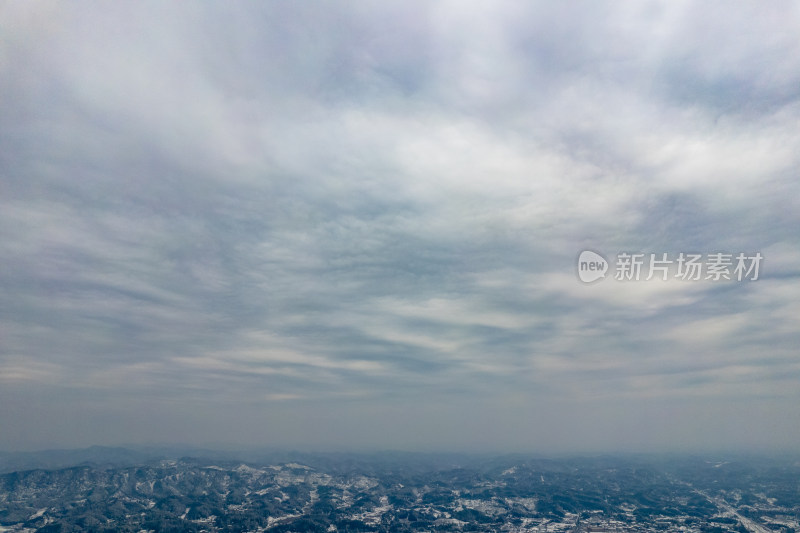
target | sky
[{"x": 356, "y": 226}]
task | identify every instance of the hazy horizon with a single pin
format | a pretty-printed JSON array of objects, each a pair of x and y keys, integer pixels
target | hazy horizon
[
  {"x": 357, "y": 226},
  {"x": 262, "y": 454}
]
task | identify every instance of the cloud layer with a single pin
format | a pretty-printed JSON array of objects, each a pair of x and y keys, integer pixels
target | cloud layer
[{"x": 318, "y": 226}]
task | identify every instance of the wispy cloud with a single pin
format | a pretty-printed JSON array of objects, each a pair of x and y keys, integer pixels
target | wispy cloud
[{"x": 358, "y": 225}]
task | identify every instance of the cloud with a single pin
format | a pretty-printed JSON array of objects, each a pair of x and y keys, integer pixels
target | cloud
[{"x": 357, "y": 215}]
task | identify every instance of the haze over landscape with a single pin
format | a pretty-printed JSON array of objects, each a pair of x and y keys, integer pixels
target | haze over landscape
[{"x": 356, "y": 226}]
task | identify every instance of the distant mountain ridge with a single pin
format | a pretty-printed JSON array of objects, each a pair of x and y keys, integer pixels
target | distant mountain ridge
[
  {"x": 63, "y": 458},
  {"x": 121, "y": 456}
]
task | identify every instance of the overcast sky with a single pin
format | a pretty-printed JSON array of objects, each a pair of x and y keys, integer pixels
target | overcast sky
[{"x": 356, "y": 226}]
